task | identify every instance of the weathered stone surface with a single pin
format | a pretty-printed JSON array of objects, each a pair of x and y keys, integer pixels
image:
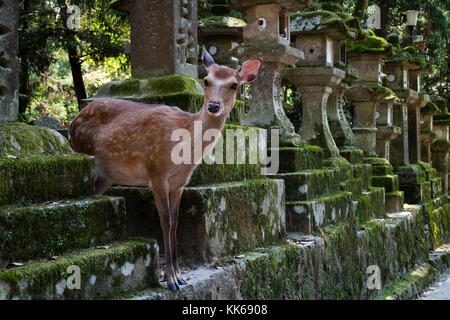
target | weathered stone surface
[
  {"x": 214, "y": 219},
  {"x": 333, "y": 266},
  {"x": 309, "y": 184},
  {"x": 103, "y": 273},
  {"x": 399, "y": 151},
  {"x": 315, "y": 85},
  {"x": 296, "y": 159},
  {"x": 176, "y": 52},
  {"x": 9, "y": 64},
  {"x": 339, "y": 126},
  {"x": 37, "y": 165},
  {"x": 47, "y": 122},
  {"x": 308, "y": 216},
  {"x": 266, "y": 108},
  {"x": 41, "y": 231}
]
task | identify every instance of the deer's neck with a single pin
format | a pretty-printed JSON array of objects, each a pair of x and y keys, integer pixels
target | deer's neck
[{"x": 202, "y": 123}]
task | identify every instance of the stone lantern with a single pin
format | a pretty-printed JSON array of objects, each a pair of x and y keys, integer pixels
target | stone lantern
[
  {"x": 315, "y": 77},
  {"x": 427, "y": 136},
  {"x": 441, "y": 147},
  {"x": 220, "y": 34},
  {"x": 399, "y": 146},
  {"x": 386, "y": 131},
  {"x": 267, "y": 36},
  {"x": 398, "y": 76},
  {"x": 365, "y": 94},
  {"x": 9, "y": 64}
]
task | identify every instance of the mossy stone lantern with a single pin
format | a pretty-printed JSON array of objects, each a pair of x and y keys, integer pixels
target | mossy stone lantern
[
  {"x": 427, "y": 135},
  {"x": 220, "y": 34},
  {"x": 441, "y": 147},
  {"x": 317, "y": 34},
  {"x": 365, "y": 93},
  {"x": 403, "y": 72},
  {"x": 386, "y": 131},
  {"x": 267, "y": 36}
]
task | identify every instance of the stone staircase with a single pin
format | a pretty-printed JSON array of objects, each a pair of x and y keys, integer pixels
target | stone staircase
[
  {"x": 309, "y": 232},
  {"x": 52, "y": 227}
]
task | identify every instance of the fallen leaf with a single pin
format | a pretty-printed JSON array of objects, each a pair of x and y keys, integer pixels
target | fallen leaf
[
  {"x": 102, "y": 247},
  {"x": 14, "y": 265}
]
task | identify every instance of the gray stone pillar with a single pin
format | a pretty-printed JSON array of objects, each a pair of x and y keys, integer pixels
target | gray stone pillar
[
  {"x": 385, "y": 130},
  {"x": 163, "y": 38},
  {"x": 399, "y": 151},
  {"x": 315, "y": 85},
  {"x": 339, "y": 126},
  {"x": 9, "y": 65}
]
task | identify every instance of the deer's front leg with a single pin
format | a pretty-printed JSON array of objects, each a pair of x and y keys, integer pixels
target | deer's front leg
[
  {"x": 161, "y": 195},
  {"x": 175, "y": 197}
]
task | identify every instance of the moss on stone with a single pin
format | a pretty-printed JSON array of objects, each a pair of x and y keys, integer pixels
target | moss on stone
[
  {"x": 430, "y": 108},
  {"x": 44, "y": 178},
  {"x": 19, "y": 140},
  {"x": 370, "y": 44},
  {"x": 390, "y": 183},
  {"x": 221, "y": 21},
  {"x": 323, "y": 21},
  {"x": 42, "y": 231},
  {"x": 47, "y": 279}
]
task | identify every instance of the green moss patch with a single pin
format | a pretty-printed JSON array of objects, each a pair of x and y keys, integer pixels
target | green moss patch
[
  {"x": 221, "y": 21},
  {"x": 390, "y": 183},
  {"x": 45, "y": 178},
  {"x": 42, "y": 231},
  {"x": 297, "y": 159},
  {"x": 308, "y": 184},
  {"x": 370, "y": 44},
  {"x": 19, "y": 140},
  {"x": 308, "y": 216},
  {"x": 104, "y": 273}
]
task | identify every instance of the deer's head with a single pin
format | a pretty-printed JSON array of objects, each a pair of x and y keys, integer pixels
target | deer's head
[{"x": 221, "y": 83}]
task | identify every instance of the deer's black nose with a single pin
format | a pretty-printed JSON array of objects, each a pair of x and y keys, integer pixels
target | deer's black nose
[{"x": 213, "y": 107}]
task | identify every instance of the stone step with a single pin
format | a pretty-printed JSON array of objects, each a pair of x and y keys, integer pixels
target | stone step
[
  {"x": 214, "y": 219},
  {"x": 298, "y": 159},
  {"x": 380, "y": 166},
  {"x": 363, "y": 172},
  {"x": 355, "y": 186},
  {"x": 416, "y": 193},
  {"x": 38, "y": 165},
  {"x": 390, "y": 183},
  {"x": 50, "y": 229},
  {"x": 90, "y": 274},
  {"x": 409, "y": 174},
  {"x": 332, "y": 266},
  {"x": 437, "y": 216},
  {"x": 352, "y": 154},
  {"x": 394, "y": 201},
  {"x": 45, "y": 178},
  {"x": 308, "y": 216},
  {"x": 436, "y": 187},
  {"x": 370, "y": 204},
  {"x": 308, "y": 184}
]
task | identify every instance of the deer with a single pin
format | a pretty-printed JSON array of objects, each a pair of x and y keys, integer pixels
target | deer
[{"x": 131, "y": 144}]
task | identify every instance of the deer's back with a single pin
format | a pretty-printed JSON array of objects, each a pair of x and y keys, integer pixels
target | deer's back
[{"x": 106, "y": 118}]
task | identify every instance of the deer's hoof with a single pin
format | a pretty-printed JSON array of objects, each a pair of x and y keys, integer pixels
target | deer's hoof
[
  {"x": 181, "y": 281},
  {"x": 173, "y": 286}
]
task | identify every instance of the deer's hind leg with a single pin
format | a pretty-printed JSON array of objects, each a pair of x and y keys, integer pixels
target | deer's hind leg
[
  {"x": 175, "y": 197},
  {"x": 161, "y": 195}
]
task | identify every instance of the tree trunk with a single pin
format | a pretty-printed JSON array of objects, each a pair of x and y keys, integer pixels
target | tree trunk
[
  {"x": 24, "y": 69},
  {"x": 77, "y": 74},
  {"x": 360, "y": 9}
]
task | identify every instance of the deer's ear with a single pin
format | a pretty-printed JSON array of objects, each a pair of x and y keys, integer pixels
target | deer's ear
[
  {"x": 206, "y": 58},
  {"x": 249, "y": 70}
]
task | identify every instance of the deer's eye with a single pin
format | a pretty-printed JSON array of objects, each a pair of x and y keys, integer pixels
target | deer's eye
[
  {"x": 205, "y": 82},
  {"x": 234, "y": 86}
]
